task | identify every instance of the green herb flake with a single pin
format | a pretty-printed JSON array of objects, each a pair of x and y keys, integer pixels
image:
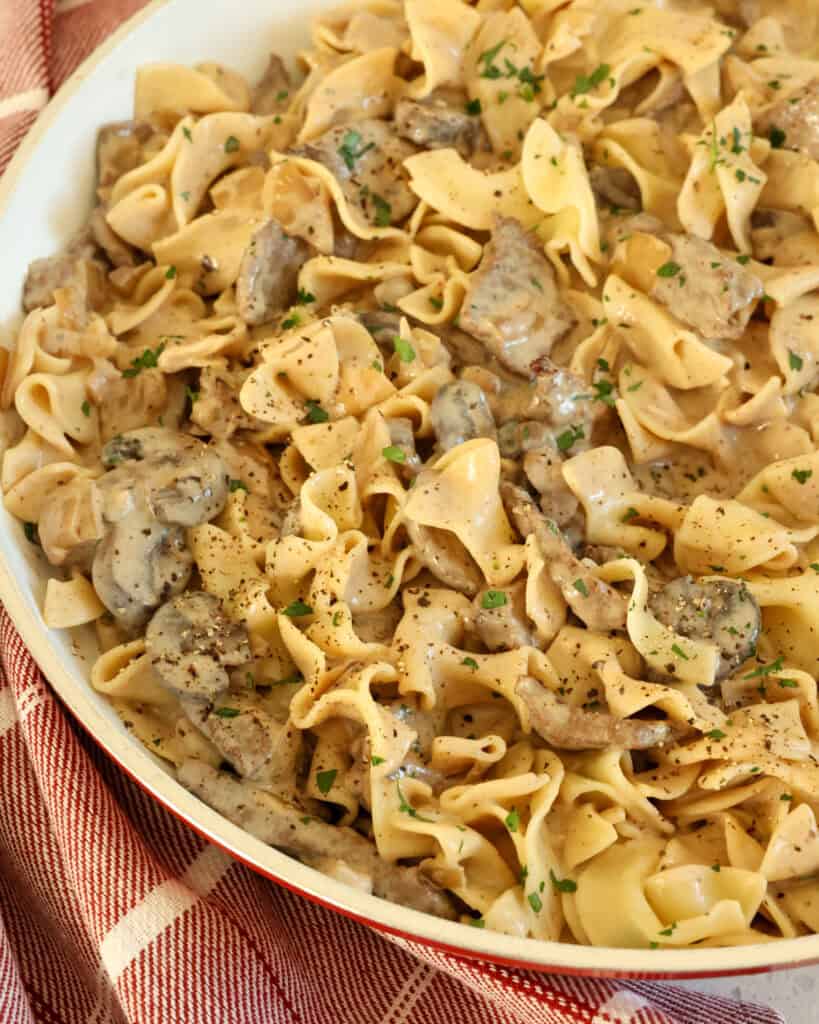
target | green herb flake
[
  {"x": 477, "y": 922},
  {"x": 716, "y": 867},
  {"x": 394, "y": 454},
  {"x": 795, "y": 362},
  {"x": 716, "y": 734},
  {"x": 568, "y": 438},
  {"x": 296, "y": 609},
  {"x": 670, "y": 269},
  {"x": 603, "y": 364},
  {"x": 292, "y": 321},
  {"x": 315, "y": 413},
  {"x": 470, "y": 663},
  {"x": 630, "y": 513},
  {"x": 86, "y": 408},
  {"x": 403, "y": 349},
  {"x": 187, "y": 133},
  {"x": 337, "y": 618},
  {"x": 743, "y": 258},
  {"x": 351, "y": 148},
  {"x": 776, "y": 137},
  {"x": 494, "y": 599},
  {"x": 604, "y": 392},
  {"x": 191, "y": 395},
  {"x": 473, "y": 107},
  {"x": 585, "y": 83},
  {"x": 147, "y": 361},
  {"x": 436, "y": 303},
  {"x": 787, "y": 797},
  {"x": 679, "y": 652},
  {"x": 226, "y": 712},
  {"x": 304, "y": 298},
  {"x": 802, "y": 476},
  {"x": 669, "y": 930},
  {"x": 375, "y": 760},
  {"x": 282, "y": 95},
  {"x": 535, "y": 902},
  {"x": 237, "y": 485},
  {"x": 490, "y": 69},
  {"x": 406, "y": 808},
  {"x": 512, "y": 820},
  {"x": 562, "y": 884},
  {"x": 789, "y": 684},
  {"x": 383, "y": 211},
  {"x": 170, "y": 273},
  {"x": 231, "y": 144},
  {"x": 325, "y": 780},
  {"x": 581, "y": 588}
]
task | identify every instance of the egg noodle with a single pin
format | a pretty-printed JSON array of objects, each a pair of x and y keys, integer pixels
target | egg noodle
[{"x": 433, "y": 446}]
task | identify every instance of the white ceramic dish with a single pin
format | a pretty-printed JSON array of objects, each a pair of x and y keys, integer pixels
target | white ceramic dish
[{"x": 44, "y": 196}]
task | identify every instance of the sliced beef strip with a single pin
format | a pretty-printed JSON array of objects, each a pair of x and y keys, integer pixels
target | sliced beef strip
[
  {"x": 793, "y": 121},
  {"x": 440, "y": 121},
  {"x": 513, "y": 305},
  {"x": 269, "y": 273},
  {"x": 366, "y": 159},
  {"x": 45, "y": 275},
  {"x": 710, "y": 292}
]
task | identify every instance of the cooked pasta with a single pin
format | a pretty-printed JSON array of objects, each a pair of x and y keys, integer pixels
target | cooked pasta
[{"x": 431, "y": 438}]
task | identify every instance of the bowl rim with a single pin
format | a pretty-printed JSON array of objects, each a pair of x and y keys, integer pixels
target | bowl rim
[{"x": 410, "y": 925}]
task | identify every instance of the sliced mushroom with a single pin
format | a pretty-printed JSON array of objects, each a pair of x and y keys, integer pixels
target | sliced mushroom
[
  {"x": 554, "y": 396},
  {"x": 512, "y": 304},
  {"x": 710, "y": 292},
  {"x": 184, "y": 481},
  {"x": 616, "y": 187},
  {"x": 503, "y": 626},
  {"x": 439, "y": 121},
  {"x": 402, "y": 435},
  {"x": 192, "y": 643},
  {"x": 445, "y": 557},
  {"x": 721, "y": 611},
  {"x": 572, "y": 728},
  {"x": 272, "y": 94},
  {"x": 795, "y": 120},
  {"x": 599, "y": 605},
  {"x": 269, "y": 273},
  {"x": 459, "y": 413},
  {"x": 138, "y": 564},
  {"x": 44, "y": 276},
  {"x": 312, "y": 840},
  {"x": 366, "y": 158}
]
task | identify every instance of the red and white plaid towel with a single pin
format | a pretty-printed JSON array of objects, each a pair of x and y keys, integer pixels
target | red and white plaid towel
[{"x": 113, "y": 911}]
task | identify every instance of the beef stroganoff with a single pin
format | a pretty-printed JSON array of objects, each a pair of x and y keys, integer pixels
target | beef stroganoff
[{"x": 430, "y": 435}]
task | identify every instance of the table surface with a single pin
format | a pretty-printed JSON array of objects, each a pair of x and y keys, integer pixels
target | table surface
[{"x": 793, "y": 993}]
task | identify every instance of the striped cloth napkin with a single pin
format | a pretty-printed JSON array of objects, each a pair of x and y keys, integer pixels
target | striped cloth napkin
[{"x": 111, "y": 910}]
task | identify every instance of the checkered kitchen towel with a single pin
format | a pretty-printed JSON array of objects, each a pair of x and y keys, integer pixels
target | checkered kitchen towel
[{"x": 112, "y": 910}]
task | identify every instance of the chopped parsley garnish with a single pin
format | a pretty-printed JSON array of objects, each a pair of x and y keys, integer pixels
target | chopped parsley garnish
[
  {"x": 535, "y": 902},
  {"x": 191, "y": 395},
  {"x": 716, "y": 867},
  {"x": 772, "y": 668},
  {"x": 282, "y": 95},
  {"x": 303, "y": 298},
  {"x": 777, "y": 137},
  {"x": 737, "y": 147},
  {"x": 635, "y": 387},
  {"x": 231, "y": 144},
  {"x": 494, "y": 599},
  {"x": 714, "y": 734},
  {"x": 603, "y": 364},
  {"x": 296, "y": 609},
  {"x": 237, "y": 485},
  {"x": 581, "y": 588},
  {"x": 470, "y": 663},
  {"x": 325, "y": 780},
  {"x": 170, "y": 273},
  {"x": 630, "y": 513},
  {"x": 337, "y": 618},
  {"x": 789, "y": 684},
  {"x": 585, "y": 83},
  {"x": 491, "y": 70},
  {"x": 296, "y": 677},
  {"x": 562, "y": 884},
  {"x": 794, "y": 361},
  {"x": 787, "y": 796},
  {"x": 670, "y": 269},
  {"x": 187, "y": 133},
  {"x": 375, "y": 760},
  {"x": 32, "y": 534},
  {"x": 394, "y": 454},
  {"x": 86, "y": 408},
  {"x": 383, "y": 211},
  {"x": 512, "y": 820},
  {"x": 477, "y": 922},
  {"x": 292, "y": 321},
  {"x": 802, "y": 475},
  {"x": 436, "y": 303},
  {"x": 226, "y": 712},
  {"x": 147, "y": 361},
  {"x": 536, "y": 284},
  {"x": 568, "y": 438},
  {"x": 315, "y": 413},
  {"x": 351, "y": 148},
  {"x": 403, "y": 349},
  {"x": 473, "y": 107},
  {"x": 679, "y": 652},
  {"x": 743, "y": 258},
  {"x": 603, "y": 391},
  {"x": 669, "y": 930}
]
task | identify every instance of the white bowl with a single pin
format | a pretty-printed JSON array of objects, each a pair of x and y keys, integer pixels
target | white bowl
[{"x": 45, "y": 195}]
